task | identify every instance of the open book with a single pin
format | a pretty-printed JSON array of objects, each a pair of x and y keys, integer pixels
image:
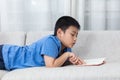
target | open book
[{"x": 94, "y": 62}]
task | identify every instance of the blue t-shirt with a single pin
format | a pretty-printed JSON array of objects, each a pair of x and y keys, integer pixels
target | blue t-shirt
[{"x": 16, "y": 57}]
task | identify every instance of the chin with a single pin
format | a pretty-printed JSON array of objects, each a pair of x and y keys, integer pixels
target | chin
[{"x": 70, "y": 46}]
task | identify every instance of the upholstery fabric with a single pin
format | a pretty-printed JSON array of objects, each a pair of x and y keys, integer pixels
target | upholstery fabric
[
  {"x": 16, "y": 38},
  {"x": 103, "y": 72},
  {"x": 33, "y": 36},
  {"x": 2, "y": 73},
  {"x": 90, "y": 44}
]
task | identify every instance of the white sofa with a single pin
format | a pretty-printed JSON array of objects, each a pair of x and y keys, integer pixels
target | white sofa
[{"x": 90, "y": 44}]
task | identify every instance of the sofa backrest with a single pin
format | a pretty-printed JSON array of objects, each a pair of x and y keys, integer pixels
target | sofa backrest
[
  {"x": 93, "y": 44},
  {"x": 90, "y": 44},
  {"x": 34, "y": 36},
  {"x": 17, "y": 38}
]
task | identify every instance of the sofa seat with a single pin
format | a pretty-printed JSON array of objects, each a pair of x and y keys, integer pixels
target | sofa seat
[
  {"x": 103, "y": 72},
  {"x": 2, "y": 73}
]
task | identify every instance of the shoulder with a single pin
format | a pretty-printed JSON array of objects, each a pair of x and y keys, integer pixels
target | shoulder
[
  {"x": 52, "y": 39},
  {"x": 51, "y": 42}
]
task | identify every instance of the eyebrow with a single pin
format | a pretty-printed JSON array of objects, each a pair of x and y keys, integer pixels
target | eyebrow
[{"x": 75, "y": 32}]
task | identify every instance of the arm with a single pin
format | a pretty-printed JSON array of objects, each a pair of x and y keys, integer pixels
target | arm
[{"x": 51, "y": 62}]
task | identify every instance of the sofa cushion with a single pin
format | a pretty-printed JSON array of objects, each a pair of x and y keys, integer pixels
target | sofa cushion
[
  {"x": 2, "y": 72},
  {"x": 34, "y": 36},
  {"x": 93, "y": 44},
  {"x": 17, "y": 38},
  {"x": 108, "y": 71}
]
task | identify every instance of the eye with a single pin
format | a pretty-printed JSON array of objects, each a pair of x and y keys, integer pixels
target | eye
[
  {"x": 72, "y": 34},
  {"x": 76, "y": 35}
]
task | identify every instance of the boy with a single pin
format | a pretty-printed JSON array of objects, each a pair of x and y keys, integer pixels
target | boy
[{"x": 51, "y": 51}]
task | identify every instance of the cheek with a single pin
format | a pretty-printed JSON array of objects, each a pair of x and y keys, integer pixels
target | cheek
[{"x": 68, "y": 39}]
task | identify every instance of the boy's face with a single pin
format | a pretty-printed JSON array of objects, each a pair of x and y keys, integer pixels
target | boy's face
[{"x": 69, "y": 37}]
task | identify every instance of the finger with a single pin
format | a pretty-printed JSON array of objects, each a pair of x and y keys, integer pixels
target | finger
[
  {"x": 75, "y": 61},
  {"x": 72, "y": 55},
  {"x": 72, "y": 58},
  {"x": 81, "y": 61}
]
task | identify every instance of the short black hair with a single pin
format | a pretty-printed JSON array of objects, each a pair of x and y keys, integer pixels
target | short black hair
[{"x": 65, "y": 22}]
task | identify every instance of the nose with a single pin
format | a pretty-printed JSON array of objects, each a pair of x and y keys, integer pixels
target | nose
[{"x": 75, "y": 38}]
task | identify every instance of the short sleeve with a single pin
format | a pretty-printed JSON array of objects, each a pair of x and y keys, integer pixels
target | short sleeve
[{"x": 50, "y": 48}]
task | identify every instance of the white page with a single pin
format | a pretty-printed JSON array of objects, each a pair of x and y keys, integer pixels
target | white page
[{"x": 96, "y": 61}]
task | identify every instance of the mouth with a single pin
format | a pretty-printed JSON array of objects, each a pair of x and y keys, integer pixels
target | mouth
[{"x": 73, "y": 44}]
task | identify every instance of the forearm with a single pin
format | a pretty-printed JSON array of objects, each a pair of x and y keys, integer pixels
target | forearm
[
  {"x": 60, "y": 60},
  {"x": 66, "y": 63}
]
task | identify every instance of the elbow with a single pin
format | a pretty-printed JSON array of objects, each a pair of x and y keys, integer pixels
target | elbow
[{"x": 50, "y": 66}]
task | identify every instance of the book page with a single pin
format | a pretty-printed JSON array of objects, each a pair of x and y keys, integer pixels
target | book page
[{"x": 97, "y": 61}]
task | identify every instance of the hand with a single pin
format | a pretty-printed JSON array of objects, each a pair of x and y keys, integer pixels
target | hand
[
  {"x": 75, "y": 60},
  {"x": 81, "y": 61}
]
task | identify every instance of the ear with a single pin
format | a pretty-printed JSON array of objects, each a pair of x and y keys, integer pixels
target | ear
[{"x": 59, "y": 32}]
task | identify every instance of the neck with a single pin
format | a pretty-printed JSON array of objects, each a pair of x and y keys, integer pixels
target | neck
[{"x": 63, "y": 47}]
